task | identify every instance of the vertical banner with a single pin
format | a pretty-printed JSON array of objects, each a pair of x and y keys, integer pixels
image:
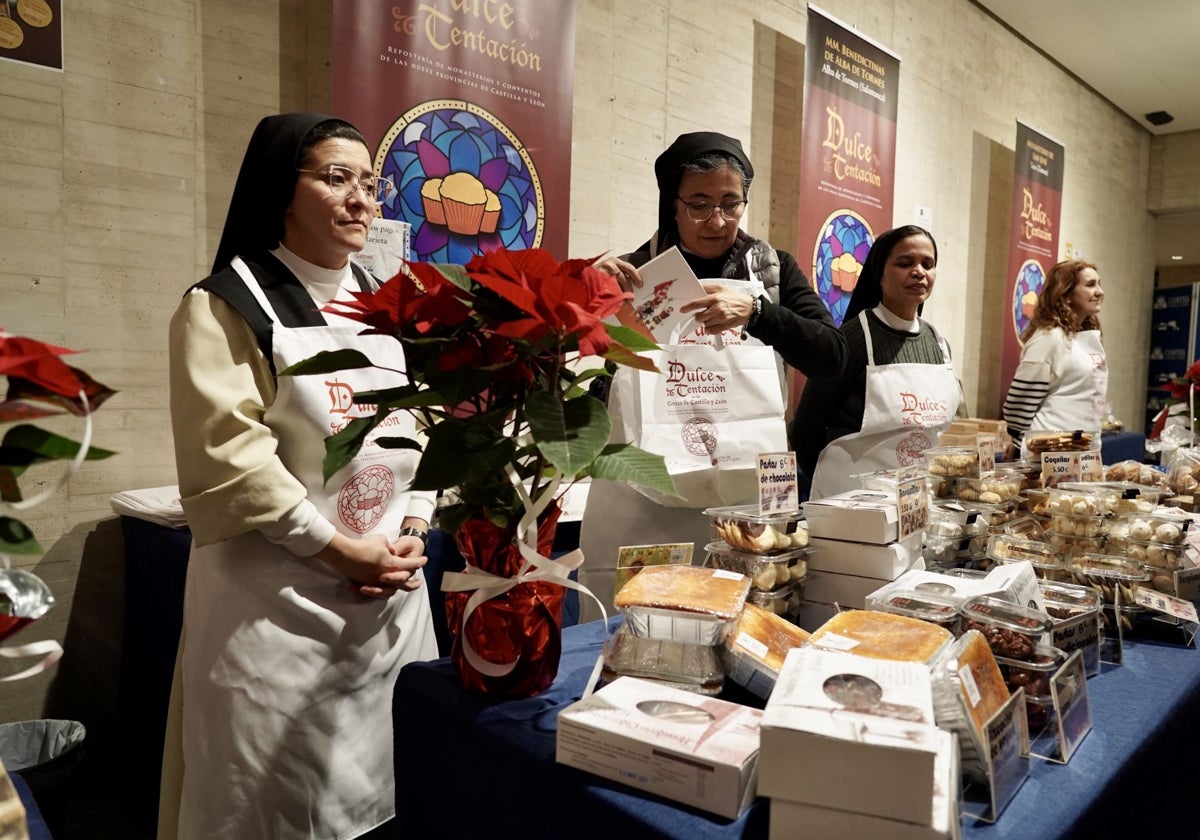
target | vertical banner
[
  {"x": 1033, "y": 241},
  {"x": 848, "y": 154},
  {"x": 466, "y": 106},
  {"x": 31, "y": 32}
]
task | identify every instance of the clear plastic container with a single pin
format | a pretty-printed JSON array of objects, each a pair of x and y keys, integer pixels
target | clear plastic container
[
  {"x": 1001, "y": 486},
  {"x": 1111, "y": 576},
  {"x": 695, "y": 668},
  {"x": 1077, "y": 440},
  {"x": 1134, "y": 499},
  {"x": 968, "y": 689},
  {"x": 932, "y": 608},
  {"x": 784, "y": 601},
  {"x": 994, "y": 517},
  {"x": 756, "y": 647},
  {"x": 1011, "y": 630},
  {"x": 952, "y": 461},
  {"x": 1032, "y": 674},
  {"x": 1069, "y": 546},
  {"x": 1165, "y": 530},
  {"x": 1004, "y": 548},
  {"x": 1069, "y": 525},
  {"x": 1150, "y": 554},
  {"x": 744, "y": 528},
  {"x": 1026, "y": 527},
  {"x": 767, "y": 572},
  {"x": 1083, "y": 498},
  {"x": 1075, "y": 611}
]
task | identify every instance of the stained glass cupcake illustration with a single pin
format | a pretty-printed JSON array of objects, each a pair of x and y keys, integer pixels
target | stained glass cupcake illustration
[{"x": 464, "y": 182}]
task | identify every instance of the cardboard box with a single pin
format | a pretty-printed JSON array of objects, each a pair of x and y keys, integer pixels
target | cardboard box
[
  {"x": 851, "y": 733},
  {"x": 697, "y": 750},
  {"x": 935, "y": 583},
  {"x": 887, "y": 561},
  {"x": 790, "y": 820},
  {"x": 868, "y": 516},
  {"x": 847, "y": 591}
]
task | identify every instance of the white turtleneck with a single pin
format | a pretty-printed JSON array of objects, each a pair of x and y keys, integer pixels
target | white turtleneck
[{"x": 895, "y": 321}]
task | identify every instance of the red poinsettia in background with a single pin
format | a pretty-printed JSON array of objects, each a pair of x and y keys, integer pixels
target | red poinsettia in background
[{"x": 40, "y": 384}]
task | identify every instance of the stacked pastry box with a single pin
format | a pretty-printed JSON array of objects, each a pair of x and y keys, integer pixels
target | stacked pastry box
[
  {"x": 854, "y": 537},
  {"x": 967, "y": 431},
  {"x": 769, "y": 548},
  {"x": 655, "y": 723},
  {"x": 850, "y": 742}
]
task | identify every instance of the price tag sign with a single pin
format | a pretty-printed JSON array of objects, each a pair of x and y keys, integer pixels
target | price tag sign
[
  {"x": 912, "y": 502},
  {"x": 1091, "y": 466},
  {"x": 778, "y": 486},
  {"x": 1167, "y": 604},
  {"x": 1068, "y": 688},
  {"x": 986, "y": 446},
  {"x": 1060, "y": 467}
]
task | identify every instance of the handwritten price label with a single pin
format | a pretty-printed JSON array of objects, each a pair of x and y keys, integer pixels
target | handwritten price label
[{"x": 1060, "y": 467}]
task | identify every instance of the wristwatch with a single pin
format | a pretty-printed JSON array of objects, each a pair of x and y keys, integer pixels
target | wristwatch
[
  {"x": 423, "y": 536},
  {"x": 755, "y": 312}
]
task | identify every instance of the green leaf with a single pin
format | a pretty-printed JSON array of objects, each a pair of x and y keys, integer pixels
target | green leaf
[
  {"x": 630, "y": 338},
  {"x": 402, "y": 397},
  {"x": 624, "y": 356},
  {"x": 625, "y": 462},
  {"x": 456, "y": 274},
  {"x": 328, "y": 361},
  {"x": 569, "y": 434},
  {"x": 26, "y": 444},
  {"x": 459, "y": 452},
  {"x": 16, "y": 538},
  {"x": 341, "y": 448},
  {"x": 397, "y": 443}
]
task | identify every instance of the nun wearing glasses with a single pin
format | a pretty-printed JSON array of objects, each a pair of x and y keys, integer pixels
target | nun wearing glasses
[
  {"x": 703, "y": 189},
  {"x": 303, "y": 596}
]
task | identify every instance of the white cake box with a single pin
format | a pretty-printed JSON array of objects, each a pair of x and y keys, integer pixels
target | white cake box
[
  {"x": 851, "y": 733},
  {"x": 948, "y": 586},
  {"x": 868, "y": 516},
  {"x": 887, "y": 561},
  {"x": 790, "y": 820},
  {"x": 697, "y": 750}
]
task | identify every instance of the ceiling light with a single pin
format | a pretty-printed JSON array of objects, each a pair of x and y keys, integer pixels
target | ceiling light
[
  {"x": 1159, "y": 118},
  {"x": 1177, "y": 257}
]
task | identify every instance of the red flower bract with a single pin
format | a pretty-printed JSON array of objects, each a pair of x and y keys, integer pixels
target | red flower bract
[{"x": 35, "y": 372}]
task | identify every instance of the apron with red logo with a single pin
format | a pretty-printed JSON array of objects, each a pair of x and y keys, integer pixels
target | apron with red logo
[{"x": 906, "y": 406}]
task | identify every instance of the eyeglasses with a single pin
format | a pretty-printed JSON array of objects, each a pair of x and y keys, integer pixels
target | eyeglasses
[
  {"x": 343, "y": 181},
  {"x": 702, "y": 211}
]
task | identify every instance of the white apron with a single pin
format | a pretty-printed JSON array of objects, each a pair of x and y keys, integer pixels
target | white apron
[
  {"x": 1080, "y": 394},
  {"x": 281, "y": 648},
  {"x": 906, "y": 405}
]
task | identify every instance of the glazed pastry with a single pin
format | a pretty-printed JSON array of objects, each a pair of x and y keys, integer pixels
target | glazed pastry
[{"x": 686, "y": 589}]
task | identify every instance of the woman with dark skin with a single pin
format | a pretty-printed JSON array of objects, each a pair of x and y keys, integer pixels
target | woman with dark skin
[{"x": 899, "y": 388}]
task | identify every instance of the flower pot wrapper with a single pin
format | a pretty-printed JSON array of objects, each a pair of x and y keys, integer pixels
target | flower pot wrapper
[
  {"x": 505, "y": 609},
  {"x": 24, "y": 598}
]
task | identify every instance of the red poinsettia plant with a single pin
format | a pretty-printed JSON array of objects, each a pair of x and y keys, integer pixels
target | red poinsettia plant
[
  {"x": 1180, "y": 389},
  {"x": 40, "y": 384},
  {"x": 491, "y": 351}
]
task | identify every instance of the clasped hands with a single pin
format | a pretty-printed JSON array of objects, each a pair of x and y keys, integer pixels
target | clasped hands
[
  {"x": 375, "y": 566},
  {"x": 720, "y": 310}
]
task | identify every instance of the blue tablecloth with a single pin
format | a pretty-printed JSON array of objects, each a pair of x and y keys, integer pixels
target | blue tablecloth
[
  {"x": 38, "y": 830},
  {"x": 1122, "y": 446},
  {"x": 1133, "y": 773}
]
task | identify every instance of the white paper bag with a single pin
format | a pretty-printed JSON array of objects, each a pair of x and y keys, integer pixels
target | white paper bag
[{"x": 709, "y": 412}]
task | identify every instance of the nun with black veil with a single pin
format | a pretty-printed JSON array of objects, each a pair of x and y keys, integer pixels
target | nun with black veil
[
  {"x": 703, "y": 190},
  {"x": 303, "y": 596}
]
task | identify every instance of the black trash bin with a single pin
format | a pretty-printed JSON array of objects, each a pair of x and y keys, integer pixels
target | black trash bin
[{"x": 44, "y": 752}]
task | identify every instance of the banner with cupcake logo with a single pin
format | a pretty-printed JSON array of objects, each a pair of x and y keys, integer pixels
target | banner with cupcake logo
[
  {"x": 31, "y": 32},
  {"x": 1033, "y": 238},
  {"x": 466, "y": 107},
  {"x": 848, "y": 154}
]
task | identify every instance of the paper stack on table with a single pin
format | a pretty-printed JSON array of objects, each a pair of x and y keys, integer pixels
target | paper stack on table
[{"x": 159, "y": 505}]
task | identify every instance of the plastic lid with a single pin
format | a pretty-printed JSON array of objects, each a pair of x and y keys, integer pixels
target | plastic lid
[
  {"x": 1010, "y": 549},
  {"x": 1006, "y": 615},
  {"x": 1107, "y": 566},
  {"x": 920, "y": 605}
]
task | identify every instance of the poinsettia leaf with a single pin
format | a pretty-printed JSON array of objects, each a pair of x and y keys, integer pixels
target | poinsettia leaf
[
  {"x": 10, "y": 491},
  {"x": 624, "y": 356},
  {"x": 14, "y": 411},
  {"x": 397, "y": 443},
  {"x": 626, "y": 462},
  {"x": 630, "y": 338},
  {"x": 456, "y": 274},
  {"x": 97, "y": 393},
  {"x": 328, "y": 361},
  {"x": 341, "y": 448},
  {"x": 459, "y": 452},
  {"x": 569, "y": 434},
  {"x": 16, "y": 538},
  {"x": 42, "y": 445}
]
